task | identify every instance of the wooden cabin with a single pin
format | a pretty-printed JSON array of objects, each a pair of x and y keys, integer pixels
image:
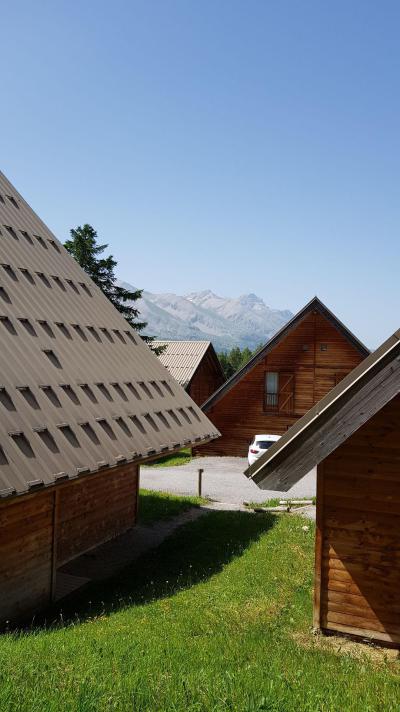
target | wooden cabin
[
  {"x": 352, "y": 435},
  {"x": 83, "y": 402},
  {"x": 284, "y": 379},
  {"x": 195, "y": 365}
]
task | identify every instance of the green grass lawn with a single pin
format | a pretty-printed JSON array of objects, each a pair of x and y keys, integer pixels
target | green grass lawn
[
  {"x": 274, "y": 502},
  {"x": 179, "y": 458},
  {"x": 218, "y": 619},
  {"x": 156, "y": 506}
]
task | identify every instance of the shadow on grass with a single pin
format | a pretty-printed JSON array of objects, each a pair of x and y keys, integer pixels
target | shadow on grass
[{"x": 191, "y": 555}]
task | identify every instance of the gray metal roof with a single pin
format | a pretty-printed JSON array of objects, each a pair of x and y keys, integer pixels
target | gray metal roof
[
  {"x": 376, "y": 380},
  {"x": 182, "y": 358},
  {"x": 312, "y": 305},
  {"x": 79, "y": 390}
]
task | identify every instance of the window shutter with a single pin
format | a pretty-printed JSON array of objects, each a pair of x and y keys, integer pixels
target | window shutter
[{"x": 286, "y": 392}]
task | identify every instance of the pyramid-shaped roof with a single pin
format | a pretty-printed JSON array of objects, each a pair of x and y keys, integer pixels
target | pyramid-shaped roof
[{"x": 79, "y": 390}]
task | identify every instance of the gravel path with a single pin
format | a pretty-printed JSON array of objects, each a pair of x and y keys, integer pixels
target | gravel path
[{"x": 223, "y": 480}]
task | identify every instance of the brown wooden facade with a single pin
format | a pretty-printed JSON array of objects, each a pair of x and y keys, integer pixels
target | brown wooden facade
[
  {"x": 352, "y": 435},
  {"x": 358, "y": 524},
  {"x": 83, "y": 401},
  {"x": 310, "y": 358},
  {"x": 207, "y": 378},
  {"x": 42, "y": 531}
]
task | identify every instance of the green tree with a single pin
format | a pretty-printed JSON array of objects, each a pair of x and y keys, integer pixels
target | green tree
[
  {"x": 233, "y": 360},
  {"x": 83, "y": 246}
]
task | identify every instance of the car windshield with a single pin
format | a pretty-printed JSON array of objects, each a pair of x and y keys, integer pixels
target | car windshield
[{"x": 264, "y": 444}]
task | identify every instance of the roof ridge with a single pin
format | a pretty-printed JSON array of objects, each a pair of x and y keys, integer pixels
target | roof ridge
[{"x": 315, "y": 302}]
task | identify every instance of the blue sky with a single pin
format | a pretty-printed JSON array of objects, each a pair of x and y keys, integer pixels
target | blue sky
[{"x": 238, "y": 146}]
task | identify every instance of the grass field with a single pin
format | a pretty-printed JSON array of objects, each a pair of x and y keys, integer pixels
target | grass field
[
  {"x": 217, "y": 619},
  {"x": 156, "y": 506},
  {"x": 179, "y": 458},
  {"x": 274, "y": 501}
]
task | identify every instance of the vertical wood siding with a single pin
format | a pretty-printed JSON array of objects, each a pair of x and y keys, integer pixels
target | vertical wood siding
[
  {"x": 240, "y": 413},
  {"x": 360, "y": 512},
  {"x": 207, "y": 379}
]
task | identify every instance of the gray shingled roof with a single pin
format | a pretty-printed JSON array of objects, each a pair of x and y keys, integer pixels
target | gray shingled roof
[
  {"x": 182, "y": 358},
  {"x": 79, "y": 390}
]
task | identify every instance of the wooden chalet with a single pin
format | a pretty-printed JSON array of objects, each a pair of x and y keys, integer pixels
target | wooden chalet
[
  {"x": 352, "y": 435},
  {"x": 83, "y": 402},
  {"x": 195, "y": 365},
  {"x": 283, "y": 380}
]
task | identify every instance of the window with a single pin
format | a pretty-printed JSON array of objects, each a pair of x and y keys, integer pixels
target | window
[
  {"x": 323, "y": 347},
  {"x": 279, "y": 391},
  {"x": 271, "y": 389}
]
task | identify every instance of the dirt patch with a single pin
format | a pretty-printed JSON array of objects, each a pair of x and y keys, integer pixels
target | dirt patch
[{"x": 345, "y": 646}]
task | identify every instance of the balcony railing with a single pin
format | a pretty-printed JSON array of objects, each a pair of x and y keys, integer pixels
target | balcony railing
[{"x": 271, "y": 400}]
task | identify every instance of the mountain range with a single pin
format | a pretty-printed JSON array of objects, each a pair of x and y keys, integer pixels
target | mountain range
[{"x": 227, "y": 322}]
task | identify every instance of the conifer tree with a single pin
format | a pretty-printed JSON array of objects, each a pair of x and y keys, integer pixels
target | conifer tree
[{"x": 83, "y": 246}]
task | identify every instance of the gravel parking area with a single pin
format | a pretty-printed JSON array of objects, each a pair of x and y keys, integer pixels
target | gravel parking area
[{"x": 223, "y": 480}]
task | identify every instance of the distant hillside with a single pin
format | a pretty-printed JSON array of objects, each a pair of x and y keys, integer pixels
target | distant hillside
[{"x": 227, "y": 322}]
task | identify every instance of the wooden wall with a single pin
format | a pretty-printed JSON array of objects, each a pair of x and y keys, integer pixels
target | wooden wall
[
  {"x": 26, "y": 540},
  {"x": 358, "y": 532},
  {"x": 41, "y": 531},
  {"x": 240, "y": 413},
  {"x": 95, "y": 509},
  {"x": 207, "y": 379}
]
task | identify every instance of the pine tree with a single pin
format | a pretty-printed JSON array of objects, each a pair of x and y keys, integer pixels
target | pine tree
[
  {"x": 235, "y": 359},
  {"x": 84, "y": 248}
]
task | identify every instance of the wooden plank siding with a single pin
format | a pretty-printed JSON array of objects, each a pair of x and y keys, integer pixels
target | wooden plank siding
[
  {"x": 359, "y": 518},
  {"x": 26, "y": 542},
  {"x": 41, "y": 531},
  {"x": 315, "y": 352},
  {"x": 207, "y": 378},
  {"x": 95, "y": 510}
]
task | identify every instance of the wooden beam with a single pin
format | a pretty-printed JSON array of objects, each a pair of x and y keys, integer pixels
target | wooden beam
[
  {"x": 53, "y": 582},
  {"x": 318, "y": 548}
]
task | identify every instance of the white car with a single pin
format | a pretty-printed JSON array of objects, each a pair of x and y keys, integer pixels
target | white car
[{"x": 259, "y": 445}]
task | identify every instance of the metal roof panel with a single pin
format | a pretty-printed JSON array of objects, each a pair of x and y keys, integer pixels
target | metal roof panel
[{"x": 78, "y": 387}]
